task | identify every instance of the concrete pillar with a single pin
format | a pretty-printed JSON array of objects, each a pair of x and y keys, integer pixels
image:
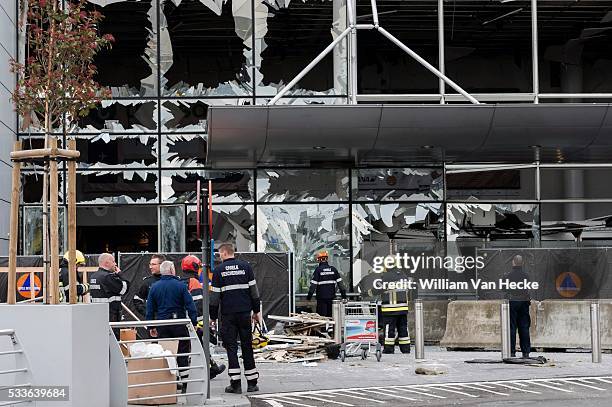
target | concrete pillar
[{"x": 573, "y": 180}]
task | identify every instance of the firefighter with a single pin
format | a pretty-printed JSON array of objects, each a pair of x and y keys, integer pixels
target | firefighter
[
  {"x": 64, "y": 278},
  {"x": 394, "y": 311},
  {"x": 192, "y": 267},
  {"x": 140, "y": 299},
  {"x": 324, "y": 281},
  {"x": 234, "y": 290},
  {"x": 106, "y": 285}
]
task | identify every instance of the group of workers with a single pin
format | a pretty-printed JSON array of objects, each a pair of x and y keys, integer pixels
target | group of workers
[{"x": 234, "y": 300}]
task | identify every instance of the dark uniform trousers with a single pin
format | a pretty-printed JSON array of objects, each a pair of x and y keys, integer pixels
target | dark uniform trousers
[
  {"x": 233, "y": 327},
  {"x": 520, "y": 319},
  {"x": 391, "y": 323},
  {"x": 324, "y": 307},
  {"x": 184, "y": 346}
]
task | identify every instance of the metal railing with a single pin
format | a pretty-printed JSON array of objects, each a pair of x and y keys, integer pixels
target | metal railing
[
  {"x": 196, "y": 385},
  {"x": 21, "y": 370}
]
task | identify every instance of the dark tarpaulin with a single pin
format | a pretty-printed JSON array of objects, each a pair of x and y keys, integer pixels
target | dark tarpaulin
[
  {"x": 271, "y": 272},
  {"x": 589, "y": 268}
]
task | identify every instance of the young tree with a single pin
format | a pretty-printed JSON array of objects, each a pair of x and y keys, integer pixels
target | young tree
[{"x": 55, "y": 79}]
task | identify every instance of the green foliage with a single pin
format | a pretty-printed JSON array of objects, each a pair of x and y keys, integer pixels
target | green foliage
[{"x": 56, "y": 79}]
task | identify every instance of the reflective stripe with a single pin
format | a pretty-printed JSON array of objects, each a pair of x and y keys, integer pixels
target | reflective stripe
[
  {"x": 124, "y": 289},
  {"x": 389, "y": 341},
  {"x": 338, "y": 280},
  {"x": 391, "y": 309},
  {"x": 252, "y": 282},
  {"x": 234, "y": 287},
  {"x": 215, "y": 289},
  {"x": 252, "y": 377},
  {"x": 327, "y": 282},
  {"x": 136, "y": 297},
  {"x": 110, "y": 299},
  {"x": 252, "y": 371},
  {"x": 94, "y": 286},
  {"x": 314, "y": 282},
  {"x": 197, "y": 297},
  {"x": 234, "y": 371},
  {"x": 404, "y": 342}
]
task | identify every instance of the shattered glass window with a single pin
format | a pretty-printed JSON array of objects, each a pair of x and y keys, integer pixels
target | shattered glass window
[
  {"x": 231, "y": 223},
  {"x": 582, "y": 224},
  {"x": 32, "y": 230},
  {"x": 280, "y": 185},
  {"x": 189, "y": 115},
  {"x": 125, "y": 151},
  {"x": 288, "y": 37},
  {"x": 474, "y": 225},
  {"x": 397, "y": 184},
  {"x": 119, "y": 116},
  {"x": 228, "y": 186},
  {"x": 129, "y": 68},
  {"x": 117, "y": 187},
  {"x": 206, "y": 47},
  {"x": 172, "y": 228},
  {"x": 378, "y": 229},
  {"x": 305, "y": 229},
  {"x": 32, "y": 186},
  {"x": 183, "y": 150}
]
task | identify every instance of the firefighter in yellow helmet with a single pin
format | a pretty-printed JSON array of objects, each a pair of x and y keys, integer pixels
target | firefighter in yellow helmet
[
  {"x": 324, "y": 281},
  {"x": 394, "y": 310},
  {"x": 64, "y": 278}
]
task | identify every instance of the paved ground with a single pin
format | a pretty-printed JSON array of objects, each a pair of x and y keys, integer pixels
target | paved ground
[{"x": 394, "y": 376}]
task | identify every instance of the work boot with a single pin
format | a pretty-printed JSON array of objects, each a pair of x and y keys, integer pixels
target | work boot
[
  {"x": 252, "y": 386},
  {"x": 405, "y": 348},
  {"x": 388, "y": 349},
  {"x": 216, "y": 370},
  {"x": 234, "y": 387}
]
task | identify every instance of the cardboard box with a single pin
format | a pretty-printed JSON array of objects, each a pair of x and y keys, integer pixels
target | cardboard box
[
  {"x": 126, "y": 335},
  {"x": 152, "y": 377}
]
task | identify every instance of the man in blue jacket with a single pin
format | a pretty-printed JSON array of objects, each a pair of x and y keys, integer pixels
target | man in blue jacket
[{"x": 169, "y": 298}]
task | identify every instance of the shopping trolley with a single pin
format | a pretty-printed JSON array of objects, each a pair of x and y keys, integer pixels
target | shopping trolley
[{"x": 360, "y": 323}]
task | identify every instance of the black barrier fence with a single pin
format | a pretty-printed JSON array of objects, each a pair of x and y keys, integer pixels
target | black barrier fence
[
  {"x": 538, "y": 273},
  {"x": 272, "y": 272}
]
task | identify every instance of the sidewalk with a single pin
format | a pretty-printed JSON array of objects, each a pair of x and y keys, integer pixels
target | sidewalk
[{"x": 398, "y": 369}]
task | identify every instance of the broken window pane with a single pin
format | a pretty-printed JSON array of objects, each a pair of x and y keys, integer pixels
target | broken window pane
[
  {"x": 228, "y": 186},
  {"x": 117, "y": 116},
  {"x": 304, "y": 229},
  {"x": 206, "y": 48},
  {"x": 302, "y": 185},
  {"x": 172, "y": 228},
  {"x": 231, "y": 223},
  {"x": 134, "y": 228},
  {"x": 117, "y": 187},
  {"x": 576, "y": 224},
  {"x": 488, "y": 47},
  {"x": 470, "y": 226},
  {"x": 32, "y": 230},
  {"x": 183, "y": 150},
  {"x": 396, "y": 184},
  {"x": 413, "y": 228},
  {"x": 289, "y": 37},
  {"x": 190, "y": 115},
  {"x": 129, "y": 68},
  {"x": 32, "y": 186},
  {"x": 384, "y": 68},
  {"x": 125, "y": 151}
]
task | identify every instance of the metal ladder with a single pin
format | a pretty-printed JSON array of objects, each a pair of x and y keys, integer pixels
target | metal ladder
[{"x": 19, "y": 369}]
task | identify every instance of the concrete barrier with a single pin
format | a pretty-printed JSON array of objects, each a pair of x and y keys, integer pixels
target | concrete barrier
[
  {"x": 555, "y": 324},
  {"x": 434, "y": 318}
]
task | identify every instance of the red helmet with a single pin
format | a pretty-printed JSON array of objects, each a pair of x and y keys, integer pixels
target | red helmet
[{"x": 191, "y": 263}]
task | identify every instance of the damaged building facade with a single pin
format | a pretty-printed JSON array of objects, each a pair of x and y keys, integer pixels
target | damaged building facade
[{"x": 176, "y": 61}]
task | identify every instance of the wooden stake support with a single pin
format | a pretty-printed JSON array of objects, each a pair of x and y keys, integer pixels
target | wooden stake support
[{"x": 51, "y": 155}]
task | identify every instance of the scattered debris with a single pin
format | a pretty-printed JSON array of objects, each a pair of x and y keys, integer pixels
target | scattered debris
[
  {"x": 431, "y": 369},
  {"x": 304, "y": 338}
]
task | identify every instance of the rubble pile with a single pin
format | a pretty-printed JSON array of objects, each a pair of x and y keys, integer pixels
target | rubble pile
[{"x": 303, "y": 338}]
